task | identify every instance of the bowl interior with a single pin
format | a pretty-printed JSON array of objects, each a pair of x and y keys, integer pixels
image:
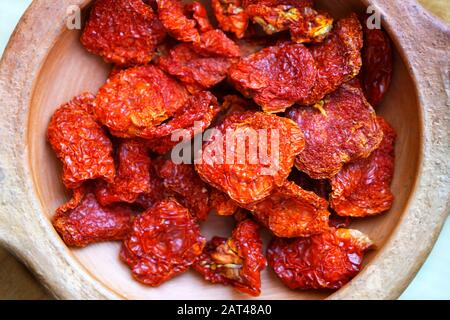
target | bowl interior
[{"x": 70, "y": 70}]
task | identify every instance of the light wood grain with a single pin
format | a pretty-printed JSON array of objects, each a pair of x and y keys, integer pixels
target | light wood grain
[{"x": 81, "y": 71}]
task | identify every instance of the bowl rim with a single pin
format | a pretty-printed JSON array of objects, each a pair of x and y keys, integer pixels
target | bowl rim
[{"x": 57, "y": 268}]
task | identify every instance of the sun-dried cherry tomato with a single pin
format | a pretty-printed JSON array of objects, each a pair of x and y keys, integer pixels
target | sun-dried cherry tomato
[
  {"x": 216, "y": 43},
  {"x": 231, "y": 16},
  {"x": 133, "y": 175},
  {"x": 198, "y": 72},
  {"x": 222, "y": 203},
  {"x": 237, "y": 261},
  {"x": 83, "y": 220},
  {"x": 164, "y": 241},
  {"x": 362, "y": 188},
  {"x": 291, "y": 212},
  {"x": 80, "y": 143},
  {"x": 337, "y": 59},
  {"x": 190, "y": 190},
  {"x": 325, "y": 261},
  {"x": 200, "y": 15},
  {"x": 124, "y": 32},
  {"x": 276, "y": 77},
  {"x": 341, "y": 130},
  {"x": 246, "y": 174},
  {"x": 377, "y": 57},
  {"x": 137, "y": 99},
  {"x": 304, "y": 23},
  {"x": 172, "y": 15}
]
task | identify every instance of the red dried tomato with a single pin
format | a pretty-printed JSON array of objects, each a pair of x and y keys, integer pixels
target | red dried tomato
[
  {"x": 272, "y": 3},
  {"x": 190, "y": 190},
  {"x": 305, "y": 24},
  {"x": 164, "y": 241},
  {"x": 338, "y": 58},
  {"x": 222, "y": 203},
  {"x": 325, "y": 261},
  {"x": 125, "y": 32},
  {"x": 291, "y": 212},
  {"x": 137, "y": 99},
  {"x": 246, "y": 174},
  {"x": 80, "y": 143},
  {"x": 276, "y": 77},
  {"x": 83, "y": 220},
  {"x": 322, "y": 188},
  {"x": 200, "y": 15},
  {"x": 172, "y": 15},
  {"x": 362, "y": 188},
  {"x": 194, "y": 118},
  {"x": 377, "y": 57},
  {"x": 198, "y": 72},
  {"x": 216, "y": 43},
  {"x": 237, "y": 261},
  {"x": 231, "y": 16},
  {"x": 133, "y": 175},
  {"x": 343, "y": 130}
]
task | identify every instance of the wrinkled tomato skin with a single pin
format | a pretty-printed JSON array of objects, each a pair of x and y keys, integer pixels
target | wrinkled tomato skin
[
  {"x": 124, "y": 32},
  {"x": 133, "y": 175},
  {"x": 80, "y": 143},
  {"x": 216, "y": 43},
  {"x": 325, "y": 261},
  {"x": 362, "y": 188},
  {"x": 138, "y": 99},
  {"x": 196, "y": 71},
  {"x": 222, "y": 203},
  {"x": 291, "y": 212},
  {"x": 346, "y": 129},
  {"x": 164, "y": 241},
  {"x": 276, "y": 77},
  {"x": 231, "y": 16},
  {"x": 200, "y": 15},
  {"x": 248, "y": 182},
  {"x": 83, "y": 221},
  {"x": 338, "y": 58},
  {"x": 183, "y": 181},
  {"x": 244, "y": 249},
  {"x": 377, "y": 57}
]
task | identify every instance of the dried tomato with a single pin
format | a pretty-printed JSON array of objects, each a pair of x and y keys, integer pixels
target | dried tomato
[
  {"x": 198, "y": 72},
  {"x": 338, "y": 58},
  {"x": 377, "y": 57},
  {"x": 237, "y": 261},
  {"x": 200, "y": 15},
  {"x": 222, "y": 203},
  {"x": 80, "y": 143},
  {"x": 124, "y": 32},
  {"x": 272, "y": 3},
  {"x": 172, "y": 15},
  {"x": 190, "y": 190},
  {"x": 276, "y": 77},
  {"x": 137, "y": 99},
  {"x": 325, "y": 261},
  {"x": 231, "y": 16},
  {"x": 194, "y": 118},
  {"x": 340, "y": 131},
  {"x": 216, "y": 43},
  {"x": 362, "y": 188},
  {"x": 242, "y": 173},
  {"x": 305, "y": 24},
  {"x": 133, "y": 175},
  {"x": 291, "y": 212},
  {"x": 83, "y": 220},
  {"x": 164, "y": 241}
]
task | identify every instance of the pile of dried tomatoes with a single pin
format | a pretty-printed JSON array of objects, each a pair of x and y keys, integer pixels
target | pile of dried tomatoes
[{"x": 263, "y": 64}]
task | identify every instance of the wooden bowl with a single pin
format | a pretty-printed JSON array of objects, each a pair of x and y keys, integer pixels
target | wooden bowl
[{"x": 45, "y": 65}]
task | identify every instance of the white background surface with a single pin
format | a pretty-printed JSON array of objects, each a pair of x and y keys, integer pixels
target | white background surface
[{"x": 433, "y": 280}]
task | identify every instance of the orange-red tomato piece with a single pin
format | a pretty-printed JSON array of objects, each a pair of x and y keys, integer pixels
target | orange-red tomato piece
[
  {"x": 231, "y": 16},
  {"x": 362, "y": 188},
  {"x": 325, "y": 261},
  {"x": 80, "y": 143},
  {"x": 164, "y": 241}
]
